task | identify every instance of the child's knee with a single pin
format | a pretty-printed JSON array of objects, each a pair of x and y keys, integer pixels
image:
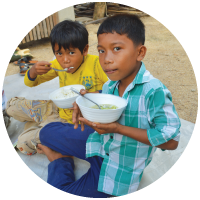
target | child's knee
[
  {"x": 43, "y": 134},
  {"x": 12, "y": 108}
]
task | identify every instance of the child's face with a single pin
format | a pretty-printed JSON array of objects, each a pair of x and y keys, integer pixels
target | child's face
[
  {"x": 70, "y": 57},
  {"x": 119, "y": 57}
]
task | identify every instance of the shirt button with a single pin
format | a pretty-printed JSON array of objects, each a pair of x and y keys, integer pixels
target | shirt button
[
  {"x": 111, "y": 137},
  {"x": 107, "y": 154}
]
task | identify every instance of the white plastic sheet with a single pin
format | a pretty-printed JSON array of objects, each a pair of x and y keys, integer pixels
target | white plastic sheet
[{"x": 162, "y": 160}]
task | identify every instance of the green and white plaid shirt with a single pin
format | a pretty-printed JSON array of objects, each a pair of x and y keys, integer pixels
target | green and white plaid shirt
[{"x": 149, "y": 107}]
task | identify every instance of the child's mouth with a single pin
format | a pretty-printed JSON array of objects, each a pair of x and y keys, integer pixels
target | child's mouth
[
  {"x": 70, "y": 69},
  {"x": 110, "y": 71}
]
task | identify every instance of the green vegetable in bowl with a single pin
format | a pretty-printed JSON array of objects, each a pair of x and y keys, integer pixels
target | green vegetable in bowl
[{"x": 105, "y": 106}]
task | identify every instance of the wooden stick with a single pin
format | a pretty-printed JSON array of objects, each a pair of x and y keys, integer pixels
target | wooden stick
[
  {"x": 55, "y": 18},
  {"x": 45, "y": 28},
  {"x": 27, "y": 38},
  {"x": 51, "y": 21},
  {"x": 34, "y": 33},
  {"x": 24, "y": 41},
  {"x": 41, "y": 30},
  {"x": 38, "y": 31},
  {"x": 48, "y": 26},
  {"x": 99, "y": 10},
  {"x": 30, "y": 35}
]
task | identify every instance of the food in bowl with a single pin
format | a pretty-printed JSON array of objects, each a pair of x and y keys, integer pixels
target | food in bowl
[
  {"x": 103, "y": 116},
  {"x": 105, "y": 106},
  {"x": 64, "y": 97},
  {"x": 65, "y": 94}
]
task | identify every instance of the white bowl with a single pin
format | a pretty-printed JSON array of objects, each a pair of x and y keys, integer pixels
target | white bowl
[
  {"x": 101, "y": 116},
  {"x": 63, "y": 102}
]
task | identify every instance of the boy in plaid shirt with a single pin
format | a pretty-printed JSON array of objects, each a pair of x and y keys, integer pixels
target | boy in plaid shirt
[{"x": 118, "y": 152}]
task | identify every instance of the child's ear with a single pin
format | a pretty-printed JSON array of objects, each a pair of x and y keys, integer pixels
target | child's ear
[
  {"x": 141, "y": 52},
  {"x": 85, "y": 50}
]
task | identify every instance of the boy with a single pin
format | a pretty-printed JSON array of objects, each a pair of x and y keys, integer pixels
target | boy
[
  {"x": 69, "y": 42},
  {"x": 118, "y": 152}
]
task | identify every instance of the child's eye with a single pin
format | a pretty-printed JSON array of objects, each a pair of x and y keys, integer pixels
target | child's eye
[
  {"x": 117, "y": 48},
  {"x": 71, "y": 52},
  {"x": 101, "y": 51},
  {"x": 58, "y": 53}
]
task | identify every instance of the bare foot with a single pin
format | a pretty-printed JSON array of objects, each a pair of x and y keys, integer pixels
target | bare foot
[
  {"x": 51, "y": 155},
  {"x": 39, "y": 150}
]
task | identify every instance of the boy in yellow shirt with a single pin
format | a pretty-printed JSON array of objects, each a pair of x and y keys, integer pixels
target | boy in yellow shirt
[{"x": 69, "y": 42}]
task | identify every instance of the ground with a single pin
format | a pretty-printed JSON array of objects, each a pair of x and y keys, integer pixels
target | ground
[{"x": 165, "y": 59}]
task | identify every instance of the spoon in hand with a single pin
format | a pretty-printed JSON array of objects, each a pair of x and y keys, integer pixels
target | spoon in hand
[
  {"x": 74, "y": 90},
  {"x": 62, "y": 70}
]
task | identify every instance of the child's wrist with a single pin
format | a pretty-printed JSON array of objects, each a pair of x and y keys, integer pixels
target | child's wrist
[
  {"x": 32, "y": 74},
  {"x": 118, "y": 128}
]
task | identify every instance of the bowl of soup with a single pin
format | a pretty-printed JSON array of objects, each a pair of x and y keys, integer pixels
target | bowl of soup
[{"x": 111, "y": 106}]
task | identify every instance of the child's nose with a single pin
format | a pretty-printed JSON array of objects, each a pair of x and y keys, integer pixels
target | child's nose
[
  {"x": 66, "y": 59},
  {"x": 108, "y": 58}
]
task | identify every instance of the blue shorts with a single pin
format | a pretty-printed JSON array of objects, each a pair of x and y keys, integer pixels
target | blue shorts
[{"x": 63, "y": 138}]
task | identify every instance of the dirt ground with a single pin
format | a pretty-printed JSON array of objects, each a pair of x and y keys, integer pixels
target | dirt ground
[{"x": 165, "y": 59}]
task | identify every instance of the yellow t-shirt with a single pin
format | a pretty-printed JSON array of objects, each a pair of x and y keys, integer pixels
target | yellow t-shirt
[{"x": 89, "y": 74}]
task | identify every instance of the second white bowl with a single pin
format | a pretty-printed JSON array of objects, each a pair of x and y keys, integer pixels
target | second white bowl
[{"x": 60, "y": 100}]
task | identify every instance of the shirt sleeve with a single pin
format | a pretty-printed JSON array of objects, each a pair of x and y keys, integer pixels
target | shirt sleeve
[
  {"x": 51, "y": 74},
  {"x": 162, "y": 116},
  {"x": 177, "y": 138}
]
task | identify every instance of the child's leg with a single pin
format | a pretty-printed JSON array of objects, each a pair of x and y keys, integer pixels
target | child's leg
[
  {"x": 24, "y": 143},
  {"x": 23, "y": 110},
  {"x": 37, "y": 113},
  {"x": 61, "y": 176},
  {"x": 63, "y": 138},
  {"x": 66, "y": 140}
]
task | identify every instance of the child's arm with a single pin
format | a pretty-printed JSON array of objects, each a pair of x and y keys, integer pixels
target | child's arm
[
  {"x": 164, "y": 123},
  {"x": 134, "y": 133},
  {"x": 39, "y": 68},
  {"x": 39, "y": 73}
]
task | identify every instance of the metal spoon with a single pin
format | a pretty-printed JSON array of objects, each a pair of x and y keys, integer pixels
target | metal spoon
[
  {"x": 62, "y": 70},
  {"x": 74, "y": 90}
]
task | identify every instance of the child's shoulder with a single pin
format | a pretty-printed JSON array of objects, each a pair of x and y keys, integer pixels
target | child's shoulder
[
  {"x": 54, "y": 61},
  {"x": 91, "y": 58},
  {"x": 152, "y": 84}
]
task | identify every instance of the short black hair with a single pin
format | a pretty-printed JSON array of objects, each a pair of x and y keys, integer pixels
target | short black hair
[
  {"x": 68, "y": 34},
  {"x": 128, "y": 24}
]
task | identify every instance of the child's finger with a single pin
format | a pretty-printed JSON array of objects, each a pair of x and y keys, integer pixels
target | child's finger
[
  {"x": 44, "y": 63},
  {"x": 85, "y": 121},
  {"x": 82, "y": 124},
  {"x": 83, "y": 91},
  {"x": 96, "y": 124}
]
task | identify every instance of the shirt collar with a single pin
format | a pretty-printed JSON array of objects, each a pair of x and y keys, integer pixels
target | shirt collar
[{"x": 142, "y": 76}]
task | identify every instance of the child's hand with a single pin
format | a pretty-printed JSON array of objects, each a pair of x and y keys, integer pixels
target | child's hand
[
  {"x": 39, "y": 68},
  {"x": 75, "y": 116},
  {"x": 101, "y": 128},
  {"x": 77, "y": 113},
  {"x": 83, "y": 91}
]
